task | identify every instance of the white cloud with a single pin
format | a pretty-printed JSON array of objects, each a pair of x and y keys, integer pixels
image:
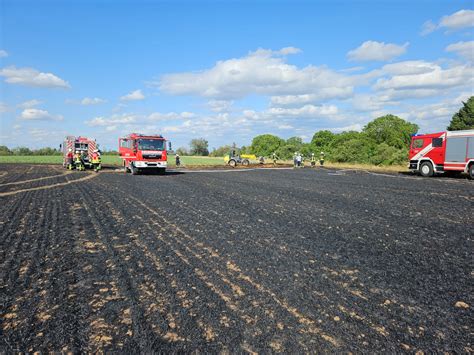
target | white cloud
[
  {"x": 32, "y": 77},
  {"x": 133, "y": 96},
  {"x": 456, "y": 21},
  {"x": 428, "y": 27},
  {"x": 113, "y": 120},
  {"x": 158, "y": 116},
  {"x": 432, "y": 76},
  {"x": 377, "y": 51},
  {"x": 263, "y": 72},
  {"x": 304, "y": 111},
  {"x": 409, "y": 67},
  {"x": 220, "y": 105},
  {"x": 92, "y": 101},
  {"x": 33, "y": 114},
  {"x": 463, "y": 49},
  {"x": 30, "y": 103},
  {"x": 3, "y": 53}
]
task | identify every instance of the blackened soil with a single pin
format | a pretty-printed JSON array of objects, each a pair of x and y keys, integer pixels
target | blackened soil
[{"x": 257, "y": 260}]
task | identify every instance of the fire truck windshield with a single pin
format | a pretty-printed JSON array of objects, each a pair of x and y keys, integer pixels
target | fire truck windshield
[{"x": 151, "y": 144}]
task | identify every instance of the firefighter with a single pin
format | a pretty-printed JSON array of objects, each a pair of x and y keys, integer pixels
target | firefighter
[
  {"x": 178, "y": 160},
  {"x": 69, "y": 159},
  {"x": 298, "y": 160},
  {"x": 295, "y": 160},
  {"x": 96, "y": 160},
  {"x": 321, "y": 159},
  {"x": 302, "y": 160},
  {"x": 274, "y": 158},
  {"x": 78, "y": 161},
  {"x": 313, "y": 160}
]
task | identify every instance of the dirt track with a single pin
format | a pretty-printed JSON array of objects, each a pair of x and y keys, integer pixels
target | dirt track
[{"x": 262, "y": 260}]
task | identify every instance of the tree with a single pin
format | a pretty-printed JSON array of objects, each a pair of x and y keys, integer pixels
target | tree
[
  {"x": 464, "y": 118},
  {"x": 182, "y": 151},
  {"x": 392, "y": 130},
  {"x": 221, "y": 151},
  {"x": 322, "y": 139},
  {"x": 265, "y": 144},
  {"x": 4, "y": 150},
  {"x": 199, "y": 146}
]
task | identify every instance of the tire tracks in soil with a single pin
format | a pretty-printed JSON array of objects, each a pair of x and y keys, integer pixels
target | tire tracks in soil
[{"x": 308, "y": 326}]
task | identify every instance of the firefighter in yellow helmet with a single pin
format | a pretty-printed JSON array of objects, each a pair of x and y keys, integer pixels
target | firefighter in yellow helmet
[
  {"x": 78, "y": 161},
  {"x": 313, "y": 160},
  {"x": 321, "y": 159},
  {"x": 96, "y": 161}
]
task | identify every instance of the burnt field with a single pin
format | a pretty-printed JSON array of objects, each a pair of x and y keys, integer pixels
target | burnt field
[{"x": 243, "y": 261}]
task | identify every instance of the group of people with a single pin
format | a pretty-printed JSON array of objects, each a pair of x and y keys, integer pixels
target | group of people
[
  {"x": 76, "y": 160},
  {"x": 299, "y": 159}
]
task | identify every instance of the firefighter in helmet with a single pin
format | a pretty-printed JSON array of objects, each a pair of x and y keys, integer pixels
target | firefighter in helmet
[
  {"x": 69, "y": 159},
  {"x": 321, "y": 159},
  {"x": 178, "y": 160},
  {"x": 274, "y": 158},
  {"x": 78, "y": 161},
  {"x": 313, "y": 160},
  {"x": 96, "y": 160}
]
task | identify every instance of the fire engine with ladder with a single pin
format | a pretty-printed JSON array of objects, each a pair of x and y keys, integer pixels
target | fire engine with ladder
[
  {"x": 141, "y": 152},
  {"x": 451, "y": 151}
]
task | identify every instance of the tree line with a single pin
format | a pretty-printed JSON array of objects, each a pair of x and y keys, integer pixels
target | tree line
[{"x": 383, "y": 141}]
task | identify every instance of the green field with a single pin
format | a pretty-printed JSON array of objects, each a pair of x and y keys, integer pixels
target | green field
[{"x": 107, "y": 160}]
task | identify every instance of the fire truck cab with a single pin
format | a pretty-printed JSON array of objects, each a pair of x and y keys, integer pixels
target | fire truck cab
[
  {"x": 441, "y": 152},
  {"x": 143, "y": 152}
]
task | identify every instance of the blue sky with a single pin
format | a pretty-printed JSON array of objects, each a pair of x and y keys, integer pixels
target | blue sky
[{"x": 227, "y": 71}]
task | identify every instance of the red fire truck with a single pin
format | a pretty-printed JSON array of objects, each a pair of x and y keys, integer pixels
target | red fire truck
[
  {"x": 85, "y": 146},
  {"x": 143, "y": 152},
  {"x": 441, "y": 152}
]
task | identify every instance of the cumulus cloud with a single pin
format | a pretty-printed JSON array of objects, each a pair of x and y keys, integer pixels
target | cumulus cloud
[
  {"x": 113, "y": 120},
  {"x": 456, "y": 21},
  {"x": 158, "y": 116},
  {"x": 30, "y": 103},
  {"x": 377, "y": 51},
  {"x": 92, "y": 101},
  {"x": 33, "y": 114},
  {"x": 304, "y": 111},
  {"x": 32, "y": 77},
  {"x": 263, "y": 72},
  {"x": 133, "y": 96},
  {"x": 3, "y": 53},
  {"x": 463, "y": 49},
  {"x": 220, "y": 105},
  {"x": 428, "y": 76}
]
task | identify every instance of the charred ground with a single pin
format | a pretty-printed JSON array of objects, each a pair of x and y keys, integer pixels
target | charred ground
[{"x": 262, "y": 260}]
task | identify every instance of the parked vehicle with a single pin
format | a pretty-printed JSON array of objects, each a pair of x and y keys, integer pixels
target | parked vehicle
[
  {"x": 141, "y": 152},
  {"x": 234, "y": 157},
  {"x": 82, "y": 145},
  {"x": 442, "y": 152}
]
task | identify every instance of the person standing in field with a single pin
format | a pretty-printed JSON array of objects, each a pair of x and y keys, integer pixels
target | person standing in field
[
  {"x": 298, "y": 160},
  {"x": 178, "y": 160},
  {"x": 321, "y": 159},
  {"x": 274, "y": 158},
  {"x": 295, "y": 159},
  {"x": 313, "y": 160},
  {"x": 69, "y": 159}
]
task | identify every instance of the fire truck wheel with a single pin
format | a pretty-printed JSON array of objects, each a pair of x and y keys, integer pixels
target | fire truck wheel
[
  {"x": 471, "y": 171},
  {"x": 426, "y": 169},
  {"x": 232, "y": 163}
]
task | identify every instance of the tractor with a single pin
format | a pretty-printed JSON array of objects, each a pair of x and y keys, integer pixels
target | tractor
[{"x": 234, "y": 157}]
